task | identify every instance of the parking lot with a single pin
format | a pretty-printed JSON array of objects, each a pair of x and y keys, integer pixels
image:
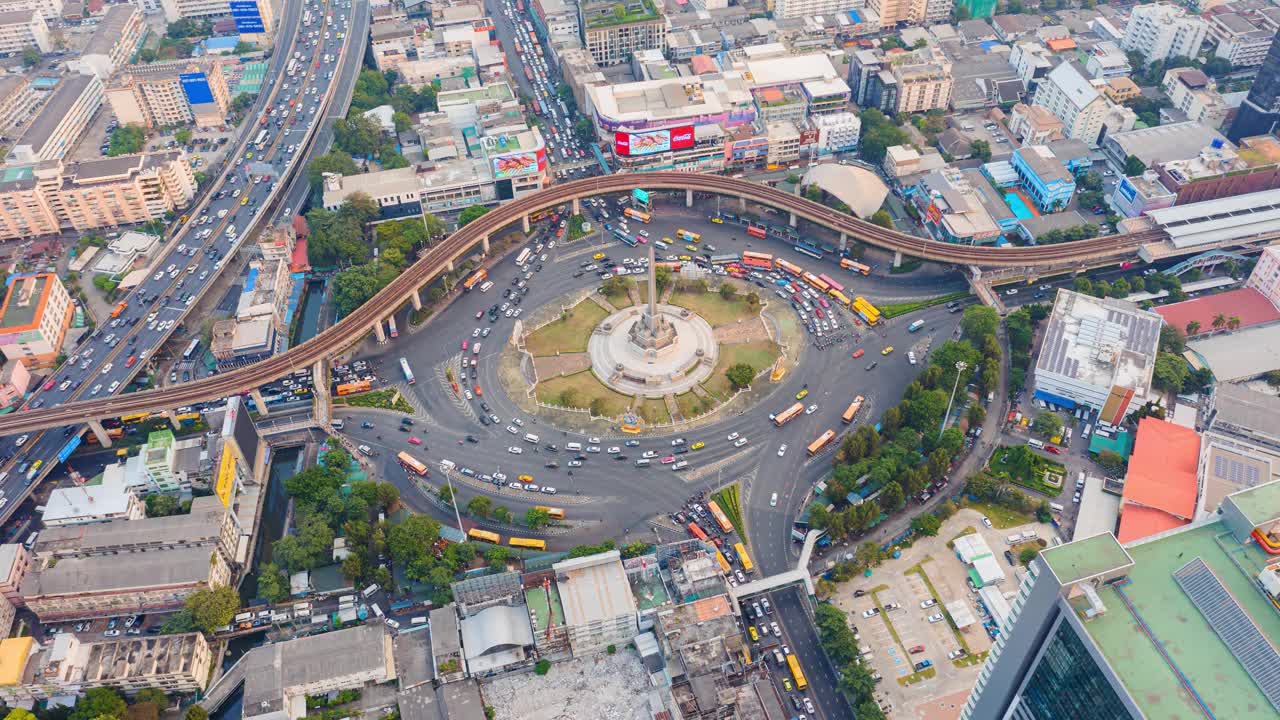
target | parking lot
[{"x": 897, "y": 635}]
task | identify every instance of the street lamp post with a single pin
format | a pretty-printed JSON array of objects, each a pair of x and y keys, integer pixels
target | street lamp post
[
  {"x": 453, "y": 500},
  {"x": 960, "y": 368}
]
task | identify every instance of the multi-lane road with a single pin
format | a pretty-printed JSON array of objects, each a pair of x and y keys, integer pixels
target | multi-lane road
[{"x": 302, "y": 69}]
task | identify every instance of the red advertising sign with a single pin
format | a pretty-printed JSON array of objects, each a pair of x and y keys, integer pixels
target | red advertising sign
[
  {"x": 621, "y": 144},
  {"x": 627, "y": 144},
  {"x": 809, "y": 137},
  {"x": 682, "y": 137}
]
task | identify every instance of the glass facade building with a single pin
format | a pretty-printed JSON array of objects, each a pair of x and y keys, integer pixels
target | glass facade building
[
  {"x": 1067, "y": 684},
  {"x": 1259, "y": 114}
]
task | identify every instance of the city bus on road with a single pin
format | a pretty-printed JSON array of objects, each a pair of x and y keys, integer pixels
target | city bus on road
[
  {"x": 812, "y": 251},
  {"x": 721, "y": 519},
  {"x": 523, "y": 257},
  {"x": 823, "y": 440},
  {"x": 408, "y": 373},
  {"x": 840, "y": 298},
  {"x": 625, "y": 238},
  {"x": 797, "y": 675},
  {"x": 865, "y": 309},
  {"x": 391, "y": 325},
  {"x": 915, "y": 326},
  {"x": 835, "y": 286},
  {"x": 552, "y": 512},
  {"x": 724, "y": 564},
  {"x": 191, "y": 349},
  {"x": 789, "y": 267},
  {"x": 756, "y": 231},
  {"x": 697, "y": 532},
  {"x": 686, "y": 236},
  {"x": 725, "y": 259},
  {"x": 409, "y": 462},
  {"x": 743, "y": 557},
  {"x": 857, "y": 267},
  {"x": 757, "y": 260},
  {"x": 816, "y": 282},
  {"x": 351, "y": 388},
  {"x": 476, "y": 278},
  {"x": 293, "y": 67},
  {"x": 484, "y": 536},
  {"x": 261, "y": 140},
  {"x": 852, "y": 410},
  {"x": 634, "y": 214},
  {"x": 531, "y": 543},
  {"x": 785, "y": 416}
]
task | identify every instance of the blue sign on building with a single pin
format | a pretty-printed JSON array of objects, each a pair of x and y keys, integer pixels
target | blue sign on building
[
  {"x": 196, "y": 87},
  {"x": 1128, "y": 190},
  {"x": 248, "y": 18}
]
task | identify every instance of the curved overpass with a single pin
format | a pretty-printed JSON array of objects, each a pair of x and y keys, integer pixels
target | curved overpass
[{"x": 436, "y": 260}]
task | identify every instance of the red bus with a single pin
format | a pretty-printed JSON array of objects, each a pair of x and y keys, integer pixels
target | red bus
[
  {"x": 755, "y": 231},
  {"x": 520, "y": 5},
  {"x": 757, "y": 260},
  {"x": 834, "y": 285},
  {"x": 528, "y": 73},
  {"x": 697, "y": 532}
]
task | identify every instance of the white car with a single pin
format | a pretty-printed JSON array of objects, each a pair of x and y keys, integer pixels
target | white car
[
  {"x": 113, "y": 386},
  {"x": 782, "y": 449},
  {"x": 986, "y": 521},
  {"x": 22, "y": 440},
  {"x": 515, "y": 450},
  {"x": 733, "y": 436},
  {"x": 811, "y": 410},
  {"x": 516, "y": 421},
  {"x": 511, "y": 429},
  {"x": 936, "y": 618},
  {"x": 870, "y": 612},
  {"x": 649, "y": 454},
  {"x": 614, "y": 450},
  {"x": 739, "y": 442},
  {"x": 773, "y": 501},
  {"x": 677, "y": 442},
  {"x": 928, "y": 603},
  {"x": 593, "y": 448},
  {"x": 96, "y": 389}
]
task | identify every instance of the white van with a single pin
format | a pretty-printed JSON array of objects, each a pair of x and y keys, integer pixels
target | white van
[
  {"x": 487, "y": 286},
  {"x": 573, "y": 446},
  {"x": 1055, "y": 507},
  {"x": 377, "y": 609},
  {"x": 680, "y": 465},
  {"x": 911, "y": 357},
  {"x": 338, "y": 424},
  {"x": 1035, "y": 444},
  {"x": 531, "y": 438},
  {"x": 447, "y": 465},
  {"x": 420, "y": 620},
  {"x": 370, "y": 590},
  {"x": 646, "y": 462}
]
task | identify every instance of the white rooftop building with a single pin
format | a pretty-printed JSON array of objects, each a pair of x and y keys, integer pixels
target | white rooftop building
[
  {"x": 599, "y": 609},
  {"x": 1099, "y": 353},
  {"x": 1160, "y": 31},
  {"x": 112, "y": 500}
]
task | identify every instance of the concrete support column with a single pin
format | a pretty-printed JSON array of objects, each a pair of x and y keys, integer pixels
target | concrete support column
[
  {"x": 484, "y": 244},
  {"x": 448, "y": 267},
  {"x": 100, "y": 432},
  {"x": 379, "y": 332},
  {"x": 524, "y": 224},
  {"x": 172, "y": 417},
  {"x": 416, "y": 300},
  {"x": 256, "y": 394},
  {"x": 897, "y": 258},
  {"x": 742, "y": 203},
  {"x": 577, "y": 206},
  {"x": 793, "y": 220},
  {"x": 844, "y": 242},
  {"x": 688, "y": 198}
]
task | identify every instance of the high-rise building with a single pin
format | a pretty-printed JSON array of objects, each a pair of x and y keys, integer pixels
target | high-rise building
[
  {"x": 171, "y": 93},
  {"x": 1259, "y": 114},
  {"x": 893, "y": 12},
  {"x": 63, "y": 119},
  {"x": 613, "y": 37},
  {"x": 34, "y": 319},
  {"x": 22, "y": 30},
  {"x": 1180, "y": 624},
  {"x": 1159, "y": 31}
]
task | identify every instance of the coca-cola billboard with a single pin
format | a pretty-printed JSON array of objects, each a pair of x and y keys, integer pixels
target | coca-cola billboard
[{"x": 626, "y": 144}]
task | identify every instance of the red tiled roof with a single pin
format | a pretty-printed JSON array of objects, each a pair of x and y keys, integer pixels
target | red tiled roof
[
  {"x": 1251, "y": 306},
  {"x": 299, "y": 262},
  {"x": 1160, "y": 488}
]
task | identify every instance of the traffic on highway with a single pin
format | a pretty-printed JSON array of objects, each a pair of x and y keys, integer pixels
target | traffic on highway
[{"x": 205, "y": 239}]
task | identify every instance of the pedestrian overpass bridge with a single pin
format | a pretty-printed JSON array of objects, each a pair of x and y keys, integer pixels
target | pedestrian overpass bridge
[{"x": 800, "y": 575}]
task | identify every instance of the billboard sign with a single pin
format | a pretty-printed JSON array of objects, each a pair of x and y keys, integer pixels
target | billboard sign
[
  {"x": 196, "y": 87},
  {"x": 627, "y": 144},
  {"x": 640, "y": 196},
  {"x": 518, "y": 164},
  {"x": 69, "y": 448},
  {"x": 1128, "y": 190},
  {"x": 247, "y": 16},
  {"x": 226, "y": 475}
]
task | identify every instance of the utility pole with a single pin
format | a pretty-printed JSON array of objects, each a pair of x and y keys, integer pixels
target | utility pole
[
  {"x": 453, "y": 499},
  {"x": 960, "y": 368}
]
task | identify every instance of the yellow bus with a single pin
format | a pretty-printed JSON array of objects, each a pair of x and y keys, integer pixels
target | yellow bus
[
  {"x": 476, "y": 278},
  {"x": 743, "y": 557},
  {"x": 823, "y": 440},
  {"x": 840, "y": 298},
  {"x": 854, "y": 407},
  {"x": 866, "y": 310},
  {"x": 484, "y": 535},
  {"x": 531, "y": 543},
  {"x": 643, "y": 217},
  {"x": 409, "y": 462},
  {"x": 797, "y": 674},
  {"x": 553, "y": 513},
  {"x": 134, "y": 419},
  {"x": 724, "y": 564},
  {"x": 685, "y": 236},
  {"x": 785, "y": 416}
]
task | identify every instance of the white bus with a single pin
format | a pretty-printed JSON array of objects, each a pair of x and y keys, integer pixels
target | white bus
[
  {"x": 523, "y": 257},
  {"x": 261, "y": 139}
]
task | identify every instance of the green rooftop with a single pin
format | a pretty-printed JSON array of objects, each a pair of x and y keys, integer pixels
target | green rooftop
[
  {"x": 604, "y": 14},
  {"x": 1121, "y": 443},
  {"x": 1082, "y": 559},
  {"x": 1212, "y": 671},
  {"x": 1259, "y": 504},
  {"x": 542, "y": 608}
]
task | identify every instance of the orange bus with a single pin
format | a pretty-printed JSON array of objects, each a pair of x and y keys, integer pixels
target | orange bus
[
  {"x": 757, "y": 260},
  {"x": 119, "y": 308},
  {"x": 858, "y": 267},
  {"x": 552, "y": 512},
  {"x": 354, "y": 387},
  {"x": 409, "y": 462},
  {"x": 697, "y": 532},
  {"x": 755, "y": 231},
  {"x": 721, "y": 519},
  {"x": 785, "y": 416},
  {"x": 854, "y": 407},
  {"x": 643, "y": 217},
  {"x": 823, "y": 440},
  {"x": 789, "y": 267},
  {"x": 816, "y": 282},
  {"x": 475, "y": 279}
]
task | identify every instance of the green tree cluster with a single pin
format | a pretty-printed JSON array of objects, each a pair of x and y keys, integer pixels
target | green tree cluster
[
  {"x": 127, "y": 140},
  {"x": 878, "y": 134},
  {"x": 740, "y": 375},
  {"x": 1071, "y": 234},
  {"x": 856, "y": 679},
  {"x": 334, "y": 161}
]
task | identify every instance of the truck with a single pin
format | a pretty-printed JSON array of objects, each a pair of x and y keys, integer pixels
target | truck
[{"x": 915, "y": 326}]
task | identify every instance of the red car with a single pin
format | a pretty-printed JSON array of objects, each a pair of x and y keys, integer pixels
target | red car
[
  {"x": 858, "y": 353},
  {"x": 1053, "y": 449},
  {"x": 465, "y": 344},
  {"x": 478, "y": 393},
  {"x": 414, "y": 441},
  {"x": 917, "y": 649},
  {"x": 48, "y": 386}
]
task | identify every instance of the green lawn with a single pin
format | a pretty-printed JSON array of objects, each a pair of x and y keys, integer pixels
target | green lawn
[
  {"x": 759, "y": 355},
  {"x": 714, "y": 309},
  {"x": 586, "y": 388},
  {"x": 691, "y": 405},
  {"x": 893, "y": 310},
  {"x": 568, "y": 334},
  {"x": 654, "y": 411},
  {"x": 1001, "y": 517},
  {"x": 1020, "y": 466}
]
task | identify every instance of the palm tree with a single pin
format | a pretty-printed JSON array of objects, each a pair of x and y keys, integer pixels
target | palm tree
[
  {"x": 1193, "y": 327},
  {"x": 1219, "y": 320},
  {"x": 1233, "y": 322}
]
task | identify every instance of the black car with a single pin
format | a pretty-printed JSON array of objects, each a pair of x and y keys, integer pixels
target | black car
[
  {"x": 406, "y": 421},
  {"x": 1009, "y": 556},
  {"x": 404, "y": 429},
  {"x": 551, "y": 464},
  {"x": 484, "y": 420},
  {"x": 872, "y": 365}
]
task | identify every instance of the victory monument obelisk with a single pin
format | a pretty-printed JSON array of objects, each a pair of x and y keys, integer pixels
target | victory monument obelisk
[{"x": 653, "y": 334}]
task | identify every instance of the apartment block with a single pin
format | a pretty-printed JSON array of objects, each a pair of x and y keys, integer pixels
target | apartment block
[
  {"x": 48, "y": 9},
  {"x": 612, "y": 38},
  {"x": 1239, "y": 41},
  {"x": 924, "y": 81},
  {"x": 1086, "y": 114},
  {"x": 67, "y": 665},
  {"x": 114, "y": 40},
  {"x": 15, "y": 561},
  {"x": 34, "y": 319},
  {"x": 1034, "y": 125},
  {"x": 1265, "y": 277},
  {"x": 209, "y": 524},
  {"x": 62, "y": 120},
  {"x": 21, "y": 30},
  {"x": 893, "y": 12},
  {"x": 1159, "y": 31},
  {"x": 175, "y": 9},
  {"x": 1045, "y": 179},
  {"x": 17, "y": 102},
  {"x": 174, "y": 93},
  {"x": 97, "y": 193},
  {"x": 1192, "y": 92}
]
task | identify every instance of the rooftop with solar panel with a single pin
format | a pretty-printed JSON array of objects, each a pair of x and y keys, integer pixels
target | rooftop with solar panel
[{"x": 1187, "y": 619}]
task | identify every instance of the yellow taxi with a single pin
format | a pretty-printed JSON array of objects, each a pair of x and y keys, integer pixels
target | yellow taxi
[
  {"x": 887, "y": 350},
  {"x": 244, "y": 200},
  {"x": 755, "y": 636},
  {"x": 525, "y": 478},
  {"x": 802, "y": 394},
  {"x": 667, "y": 240},
  {"x": 598, "y": 256},
  {"x": 690, "y": 248},
  {"x": 685, "y": 258},
  {"x": 718, "y": 220},
  {"x": 698, "y": 445}
]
